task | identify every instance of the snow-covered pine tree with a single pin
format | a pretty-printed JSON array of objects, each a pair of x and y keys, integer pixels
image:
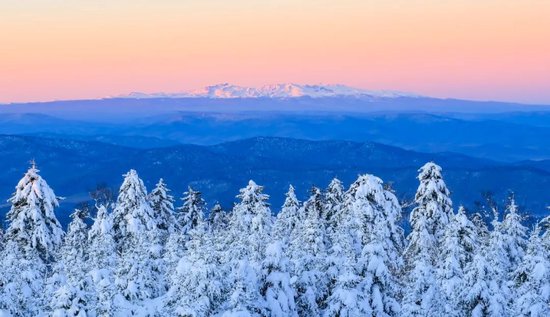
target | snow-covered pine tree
[
  {"x": 163, "y": 207},
  {"x": 482, "y": 231},
  {"x": 32, "y": 222},
  {"x": 32, "y": 239},
  {"x": 133, "y": 215},
  {"x": 140, "y": 271},
  {"x": 457, "y": 251},
  {"x": 334, "y": 199},
  {"x": 243, "y": 247},
  {"x": 366, "y": 251},
  {"x": 428, "y": 221},
  {"x": 196, "y": 286},
  {"x": 71, "y": 284},
  {"x": 249, "y": 226},
  {"x": 422, "y": 296},
  {"x": 22, "y": 282},
  {"x": 138, "y": 278},
  {"x": 308, "y": 253},
  {"x": 532, "y": 280},
  {"x": 245, "y": 299},
  {"x": 103, "y": 262},
  {"x": 515, "y": 234},
  {"x": 380, "y": 286},
  {"x": 346, "y": 297},
  {"x": 485, "y": 291},
  {"x": 369, "y": 204},
  {"x": 217, "y": 219},
  {"x": 192, "y": 212},
  {"x": 433, "y": 209},
  {"x": 288, "y": 218},
  {"x": 276, "y": 289},
  {"x": 380, "y": 256}
]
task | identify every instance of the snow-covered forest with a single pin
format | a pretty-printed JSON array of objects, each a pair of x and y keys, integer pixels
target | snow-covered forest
[{"x": 342, "y": 252}]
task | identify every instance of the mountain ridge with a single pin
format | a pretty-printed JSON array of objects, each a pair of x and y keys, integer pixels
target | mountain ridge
[
  {"x": 73, "y": 168},
  {"x": 283, "y": 90}
]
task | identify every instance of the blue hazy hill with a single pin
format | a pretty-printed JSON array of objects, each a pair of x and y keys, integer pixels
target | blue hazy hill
[{"x": 75, "y": 167}]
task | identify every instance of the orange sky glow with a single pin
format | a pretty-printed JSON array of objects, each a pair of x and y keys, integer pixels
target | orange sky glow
[{"x": 54, "y": 49}]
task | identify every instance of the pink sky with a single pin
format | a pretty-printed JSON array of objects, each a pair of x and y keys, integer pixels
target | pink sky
[{"x": 491, "y": 49}]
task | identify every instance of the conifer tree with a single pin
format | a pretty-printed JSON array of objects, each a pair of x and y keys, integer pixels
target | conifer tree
[
  {"x": 457, "y": 251},
  {"x": 288, "y": 218},
  {"x": 133, "y": 215},
  {"x": 217, "y": 219},
  {"x": 486, "y": 292},
  {"x": 276, "y": 289},
  {"x": 422, "y": 296},
  {"x": 192, "y": 212},
  {"x": 249, "y": 225},
  {"x": 32, "y": 221},
  {"x": 532, "y": 280},
  {"x": 163, "y": 207},
  {"x": 72, "y": 285},
  {"x": 482, "y": 231},
  {"x": 346, "y": 297},
  {"x": 334, "y": 199},
  {"x": 432, "y": 212},
  {"x": 515, "y": 235},
  {"x": 308, "y": 253},
  {"x": 140, "y": 272},
  {"x": 245, "y": 298},
  {"x": 103, "y": 262},
  {"x": 22, "y": 282},
  {"x": 196, "y": 286}
]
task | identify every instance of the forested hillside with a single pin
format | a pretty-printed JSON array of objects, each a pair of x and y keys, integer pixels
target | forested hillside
[{"x": 341, "y": 252}]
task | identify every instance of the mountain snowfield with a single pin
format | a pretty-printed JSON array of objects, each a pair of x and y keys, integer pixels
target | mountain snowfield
[{"x": 285, "y": 90}]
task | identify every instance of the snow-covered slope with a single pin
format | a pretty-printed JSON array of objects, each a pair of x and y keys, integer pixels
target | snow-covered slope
[{"x": 226, "y": 90}]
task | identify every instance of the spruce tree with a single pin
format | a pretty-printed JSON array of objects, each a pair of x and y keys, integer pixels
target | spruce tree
[
  {"x": 334, "y": 199},
  {"x": 196, "y": 286},
  {"x": 22, "y": 282},
  {"x": 72, "y": 285},
  {"x": 249, "y": 225},
  {"x": 288, "y": 218},
  {"x": 140, "y": 272},
  {"x": 428, "y": 220},
  {"x": 217, "y": 219},
  {"x": 432, "y": 213},
  {"x": 32, "y": 221},
  {"x": 532, "y": 280},
  {"x": 133, "y": 215},
  {"x": 192, "y": 212},
  {"x": 485, "y": 291},
  {"x": 163, "y": 207},
  {"x": 515, "y": 234},
  {"x": 276, "y": 289},
  {"x": 103, "y": 262},
  {"x": 308, "y": 253},
  {"x": 245, "y": 298},
  {"x": 346, "y": 297},
  {"x": 422, "y": 296},
  {"x": 457, "y": 251}
]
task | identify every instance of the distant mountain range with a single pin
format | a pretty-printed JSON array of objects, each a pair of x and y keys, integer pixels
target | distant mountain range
[
  {"x": 74, "y": 167},
  {"x": 321, "y": 132},
  {"x": 287, "y": 90}
]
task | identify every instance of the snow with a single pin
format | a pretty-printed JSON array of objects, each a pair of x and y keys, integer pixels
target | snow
[
  {"x": 285, "y": 90},
  {"x": 339, "y": 253}
]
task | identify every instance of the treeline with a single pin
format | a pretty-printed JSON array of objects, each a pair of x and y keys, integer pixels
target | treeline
[{"x": 339, "y": 253}]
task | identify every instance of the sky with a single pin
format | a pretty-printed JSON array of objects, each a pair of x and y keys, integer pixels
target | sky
[{"x": 79, "y": 49}]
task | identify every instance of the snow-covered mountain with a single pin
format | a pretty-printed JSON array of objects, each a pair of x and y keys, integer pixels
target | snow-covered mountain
[{"x": 288, "y": 90}]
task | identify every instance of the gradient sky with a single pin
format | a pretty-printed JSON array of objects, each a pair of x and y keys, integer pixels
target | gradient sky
[{"x": 475, "y": 49}]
